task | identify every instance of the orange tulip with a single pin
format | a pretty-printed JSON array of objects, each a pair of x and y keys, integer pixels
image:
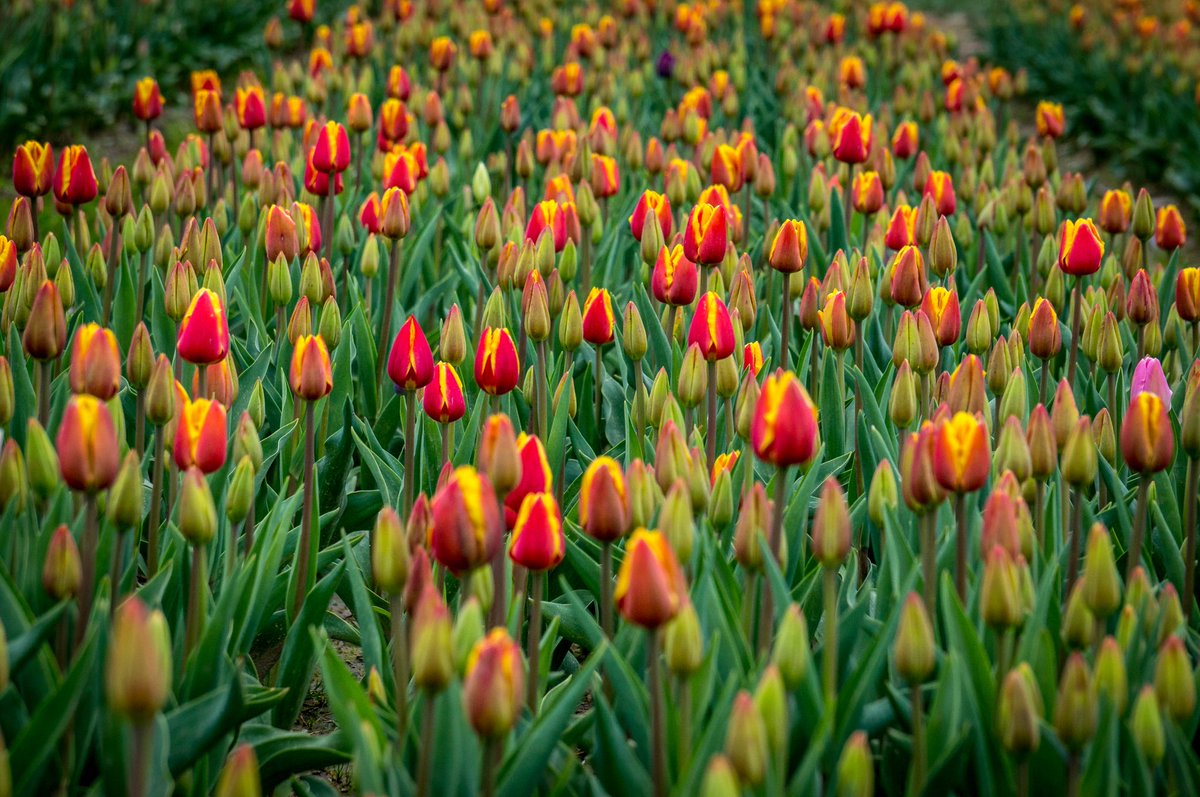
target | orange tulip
[
  {"x": 837, "y": 328},
  {"x": 962, "y": 453},
  {"x": 945, "y": 316},
  {"x": 603, "y": 501},
  {"x": 206, "y": 110},
  {"x": 1187, "y": 295},
  {"x": 866, "y": 193},
  {"x": 147, "y": 100},
  {"x": 311, "y": 374},
  {"x": 789, "y": 250},
  {"x": 494, "y": 686},
  {"x": 606, "y": 177},
  {"x": 1170, "y": 232},
  {"x": 88, "y": 455},
  {"x": 1116, "y": 212},
  {"x": 33, "y": 169},
  {"x": 650, "y": 587},
  {"x": 95, "y": 362},
  {"x": 1147, "y": 438}
]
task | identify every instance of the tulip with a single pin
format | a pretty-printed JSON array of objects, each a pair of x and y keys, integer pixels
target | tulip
[
  {"x": 851, "y": 136},
  {"x": 1147, "y": 446},
  {"x": 497, "y": 366},
  {"x": 87, "y": 445},
  {"x": 62, "y": 570},
  {"x": 492, "y": 691},
  {"x": 33, "y": 170},
  {"x": 537, "y": 545},
  {"x": 95, "y": 362},
  {"x": 535, "y": 476},
  {"x": 200, "y": 437},
  {"x": 650, "y": 586},
  {"x": 204, "y": 331},
  {"x": 1148, "y": 376},
  {"x": 604, "y": 516},
  {"x": 1170, "y": 232},
  {"x": 74, "y": 181},
  {"x": 651, "y": 203},
  {"x": 705, "y": 237},
  {"x": 251, "y": 108},
  {"x": 467, "y": 524},
  {"x": 784, "y": 430},
  {"x": 311, "y": 373}
]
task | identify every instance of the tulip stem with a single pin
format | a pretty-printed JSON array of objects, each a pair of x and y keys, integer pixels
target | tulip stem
[
  {"x": 534, "y": 638},
  {"x": 766, "y": 618},
  {"x": 830, "y": 646},
  {"x": 639, "y": 407},
  {"x": 960, "y": 553},
  {"x": 114, "y": 577},
  {"x": 87, "y": 586},
  {"x": 658, "y": 747},
  {"x": 195, "y": 606},
  {"x": 156, "y": 490},
  {"x": 543, "y": 425},
  {"x": 918, "y": 730},
  {"x": 1189, "y": 551},
  {"x": 306, "y": 514},
  {"x": 400, "y": 671},
  {"x": 928, "y": 523},
  {"x": 606, "y": 600},
  {"x": 428, "y": 736},
  {"x": 445, "y": 443},
  {"x": 785, "y": 329},
  {"x": 43, "y": 376},
  {"x": 140, "y": 424},
  {"x": 1076, "y": 532},
  {"x": 410, "y": 445},
  {"x": 599, "y": 376},
  {"x": 1139, "y": 527},
  {"x": 492, "y": 749},
  {"x": 139, "y": 758},
  {"x": 1023, "y": 778},
  {"x": 672, "y": 320},
  {"x": 1076, "y": 320},
  {"x": 710, "y": 432},
  {"x": 114, "y": 238},
  {"x": 385, "y": 326},
  {"x": 141, "y": 285}
]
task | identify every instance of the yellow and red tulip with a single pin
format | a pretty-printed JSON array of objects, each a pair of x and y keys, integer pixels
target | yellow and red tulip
[
  {"x": 711, "y": 328},
  {"x": 908, "y": 281},
  {"x": 74, "y": 180},
  {"x": 311, "y": 374},
  {"x": 201, "y": 439},
  {"x": 1170, "y": 232},
  {"x": 537, "y": 538},
  {"x": 8, "y": 263},
  {"x": 1147, "y": 437},
  {"x": 204, "y": 331},
  {"x": 45, "y": 334},
  {"x": 650, "y": 587},
  {"x": 603, "y": 501},
  {"x": 497, "y": 366},
  {"x": 962, "y": 454},
  {"x": 789, "y": 250},
  {"x": 941, "y": 305},
  {"x": 1050, "y": 120},
  {"x": 467, "y": 527},
  {"x": 302, "y": 10},
  {"x": 251, "y": 107},
  {"x": 494, "y": 686},
  {"x": 599, "y": 322},
  {"x": 88, "y": 454},
  {"x": 331, "y": 152},
  {"x": 706, "y": 235},
  {"x": 866, "y": 193},
  {"x": 940, "y": 186},
  {"x": 784, "y": 431},
  {"x": 1080, "y": 248},
  {"x": 850, "y": 135},
  {"x": 837, "y": 327},
  {"x": 206, "y": 110},
  {"x": 727, "y": 169},
  {"x": 900, "y": 230},
  {"x": 1116, "y": 212},
  {"x": 444, "y": 401},
  {"x": 147, "y": 100},
  {"x": 652, "y": 202},
  {"x": 905, "y": 140},
  {"x": 95, "y": 362},
  {"x": 393, "y": 124},
  {"x": 606, "y": 176},
  {"x": 548, "y": 215},
  {"x": 33, "y": 169},
  {"x": 441, "y": 53},
  {"x": 306, "y": 217},
  {"x": 1187, "y": 295},
  {"x": 675, "y": 279}
]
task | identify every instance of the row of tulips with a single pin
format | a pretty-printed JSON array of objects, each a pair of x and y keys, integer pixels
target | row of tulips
[{"x": 724, "y": 358}]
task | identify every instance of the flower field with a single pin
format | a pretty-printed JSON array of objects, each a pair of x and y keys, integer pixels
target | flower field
[{"x": 456, "y": 397}]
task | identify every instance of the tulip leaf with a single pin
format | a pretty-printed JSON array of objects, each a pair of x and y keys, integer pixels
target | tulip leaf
[{"x": 298, "y": 660}]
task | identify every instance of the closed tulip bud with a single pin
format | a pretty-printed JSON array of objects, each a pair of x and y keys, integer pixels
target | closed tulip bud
[
  {"x": 914, "y": 649},
  {"x": 902, "y": 406},
  {"x": 1012, "y": 451},
  {"x": 160, "y": 392},
  {"x": 137, "y": 674},
  {"x": 1019, "y": 714},
  {"x": 1045, "y": 338},
  {"x": 746, "y": 741},
  {"x": 603, "y": 501},
  {"x": 684, "y": 642},
  {"x": 720, "y": 505},
  {"x": 197, "y": 512},
  {"x": 693, "y": 377},
  {"x": 1079, "y": 455},
  {"x": 908, "y": 283},
  {"x": 831, "y": 525},
  {"x": 432, "y": 643},
  {"x": 239, "y": 496},
  {"x": 87, "y": 443},
  {"x": 754, "y": 521},
  {"x": 201, "y": 437},
  {"x": 1146, "y": 727},
  {"x": 962, "y": 453},
  {"x": 537, "y": 540},
  {"x": 999, "y": 600},
  {"x": 1043, "y": 449},
  {"x": 389, "y": 552},
  {"x": 1075, "y": 709},
  {"x": 14, "y": 480},
  {"x": 62, "y": 571},
  {"x": 125, "y": 496},
  {"x": 1111, "y": 679},
  {"x": 1170, "y": 232},
  {"x": 45, "y": 334},
  {"x": 789, "y": 250},
  {"x": 676, "y": 522},
  {"x": 837, "y": 328},
  {"x": 1170, "y": 609},
  {"x": 494, "y": 687},
  {"x": 650, "y": 588},
  {"x": 1174, "y": 682},
  {"x": 855, "y": 770},
  {"x": 1079, "y": 624},
  {"x": 1143, "y": 216},
  {"x": 468, "y": 631}
]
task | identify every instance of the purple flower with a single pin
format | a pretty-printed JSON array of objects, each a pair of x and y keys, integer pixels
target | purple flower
[
  {"x": 1148, "y": 375},
  {"x": 665, "y": 65}
]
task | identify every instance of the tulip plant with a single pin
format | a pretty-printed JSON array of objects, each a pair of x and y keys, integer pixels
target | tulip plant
[{"x": 536, "y": 398}]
